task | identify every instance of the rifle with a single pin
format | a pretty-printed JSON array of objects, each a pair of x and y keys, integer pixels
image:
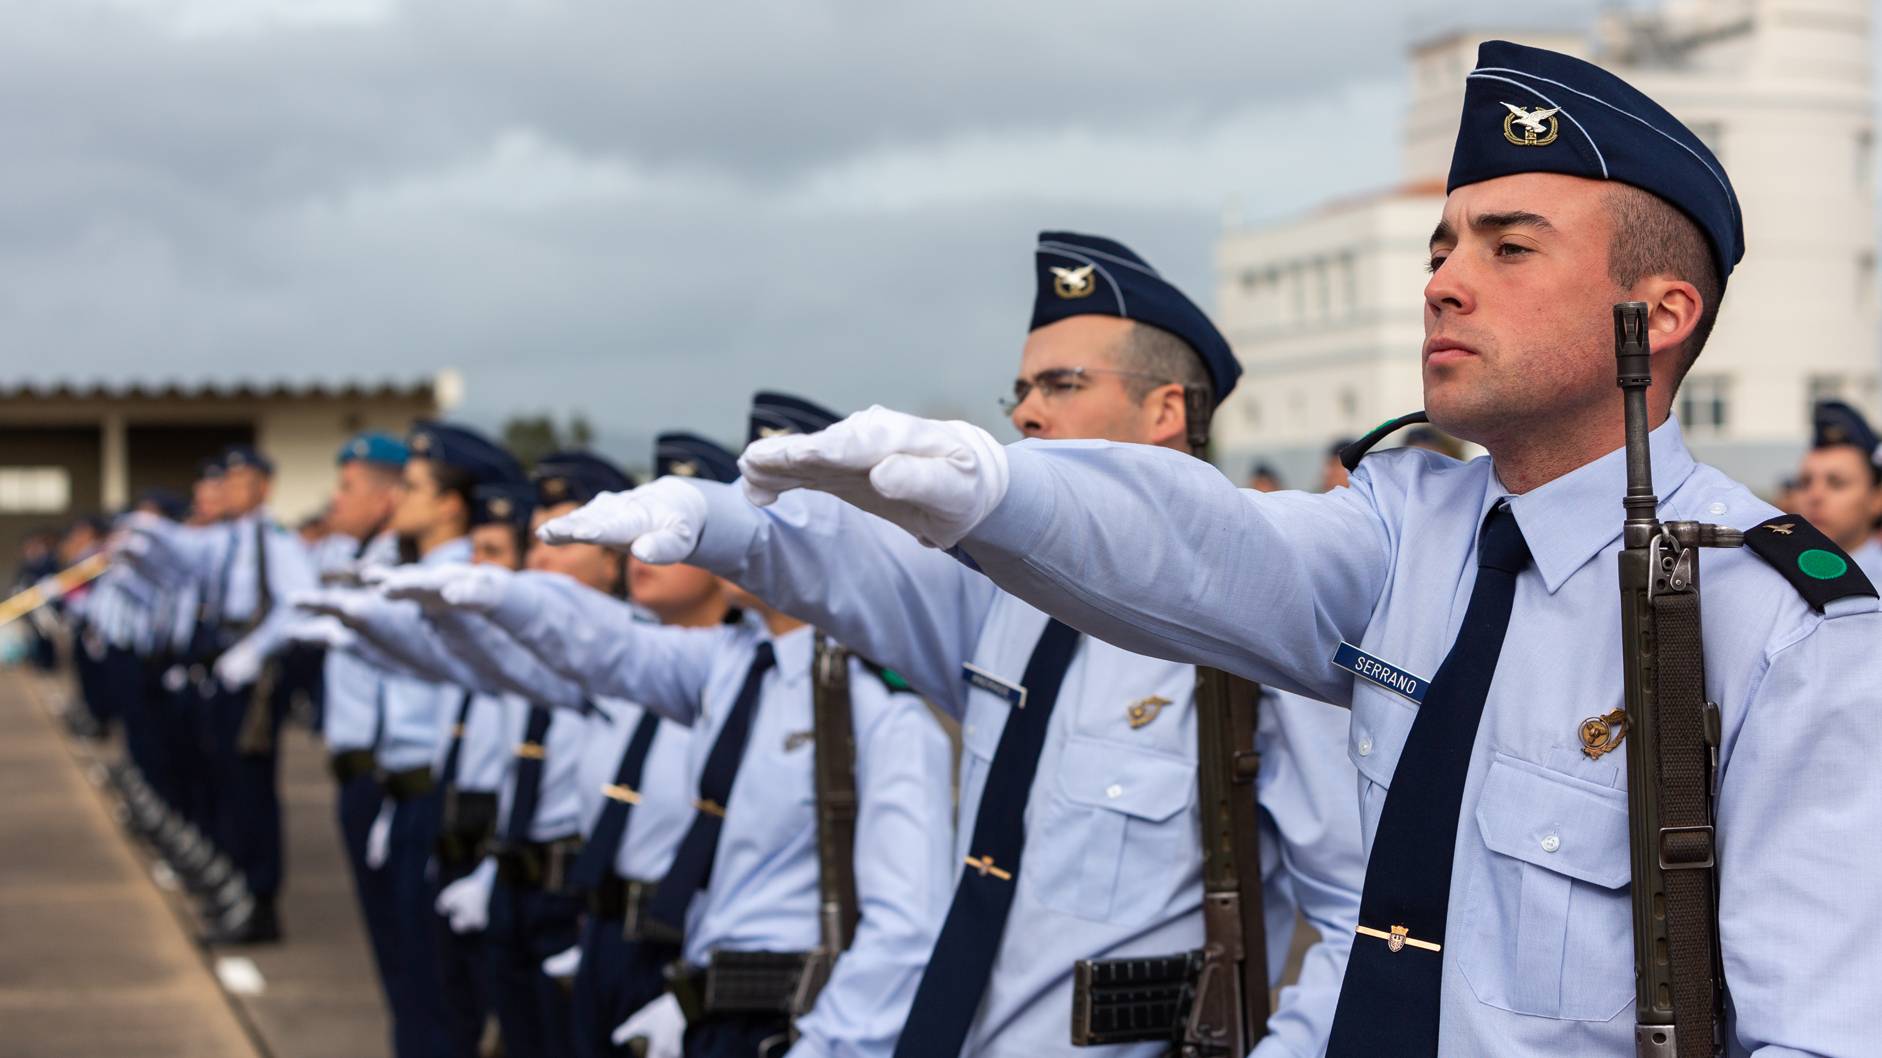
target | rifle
[
  {"x": 53, "y": 588},
  {"x": 1672, "y": 751},
  {"x": 1212, "y": 1002},
  {"x": 835, "y": 772}
]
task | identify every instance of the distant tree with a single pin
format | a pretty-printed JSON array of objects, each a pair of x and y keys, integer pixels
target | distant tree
[
  {"x": 580, "y": 434},
  {"x": 531, "y": 437}
]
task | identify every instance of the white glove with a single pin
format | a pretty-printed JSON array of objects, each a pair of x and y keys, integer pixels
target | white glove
[
  {"x": 379, "y": 838},
  {"x": 659, "y": 522},
  {"x": 465, "y": 903},
  {"x": 935, "y": 479},
  {"x": 325, "y": 631},
  {"x": 477, "y": 588},
  {"x": 340, "y": 603},
  {"x": 659, "y": 1023},
  {"x": 563, "y": 964},
  {"x": 240, "y": 665}
]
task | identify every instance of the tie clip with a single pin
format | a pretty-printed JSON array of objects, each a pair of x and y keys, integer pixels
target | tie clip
[
  {"x": 617, "y": 792},
  {"x": 1397, "y": 939},
  {"x": 711, "y": 808},
  {"x": 984, "y": 864},
  {"x": 530, "y": 750}
]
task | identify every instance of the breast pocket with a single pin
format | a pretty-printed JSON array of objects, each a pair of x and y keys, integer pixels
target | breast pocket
[
  {"x": 1381, "y": 724},
  {"x": 1114, "y": 842},
  {"x": 1549, "y": 923}
]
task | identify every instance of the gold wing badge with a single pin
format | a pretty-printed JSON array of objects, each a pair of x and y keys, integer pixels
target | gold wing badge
[
  {"x": 1071, "y": 283},
  {"x": 1142, "y": 711},
  {"x": 1539, "y": 127}
]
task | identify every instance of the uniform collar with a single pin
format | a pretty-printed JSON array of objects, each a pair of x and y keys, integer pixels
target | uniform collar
[
  {"x": 1575, "y": 517},
  {"x": 793, "y": 650},
  {"x": 450, "y": 552}
]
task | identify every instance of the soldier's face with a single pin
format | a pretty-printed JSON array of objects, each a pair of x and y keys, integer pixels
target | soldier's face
[
  {"x": 420, "y": 503},
  {"x": 363, "y": 498},
  {"x": 206, "y": 500},
  {"x": 1836, "y": 491},
  {"x": 1519, "y": 307},
  {"x": 671, "y": 591},
  {"x": 1095, "y": 406},
  {"x": 591, "y": 564},
  {"x": 244, "y": 489},
  {"x": 495, "y": 545}
]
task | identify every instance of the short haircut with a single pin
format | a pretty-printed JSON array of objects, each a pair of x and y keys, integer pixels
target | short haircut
[
  {"x": 1162, "y": 358},
  {"x": 1652, "y": 237}
]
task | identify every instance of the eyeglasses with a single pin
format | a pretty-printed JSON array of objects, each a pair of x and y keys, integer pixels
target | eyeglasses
[{"x": 1056, "y": 382}]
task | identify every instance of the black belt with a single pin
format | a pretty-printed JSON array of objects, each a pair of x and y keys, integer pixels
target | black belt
[
  {"x": 466, "y": 824},
  {"x": 407, "y": 784},
  {"x": 738, "y": 983},
  {"x": 538, "y": 865},
  {"x": 625, "y": 900},
  {"x": 350, "y": 764}
]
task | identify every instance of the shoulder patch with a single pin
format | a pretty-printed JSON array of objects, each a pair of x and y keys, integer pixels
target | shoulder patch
[{"x": 1820, "y": 571}]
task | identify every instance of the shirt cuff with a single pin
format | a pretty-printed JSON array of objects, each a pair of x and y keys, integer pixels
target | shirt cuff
[{"x": 731, "y": 524}]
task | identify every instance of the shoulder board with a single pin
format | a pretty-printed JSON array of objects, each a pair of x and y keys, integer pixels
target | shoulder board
[
  {"x": 1820, "y": 571},
  {"x": 890, "y": 678}
]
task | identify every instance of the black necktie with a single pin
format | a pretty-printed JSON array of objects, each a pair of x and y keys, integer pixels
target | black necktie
[
  {"x": 447, "y": 777},
  {"x": 529, "y": 761},
  {"x": 692, "y": 863},
  {"x": 956, "y": 978},
  {"x": 1390, "y": 998},
  {"x": 604, "y": 844}
]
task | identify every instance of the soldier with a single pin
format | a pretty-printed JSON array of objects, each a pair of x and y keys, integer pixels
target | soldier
[
  {"x": 1466, "y": 611},
  {"x": 1110, "y": 829},
  {"x": 1839, "y": 485},
  {"x": 745, "y": 882}
]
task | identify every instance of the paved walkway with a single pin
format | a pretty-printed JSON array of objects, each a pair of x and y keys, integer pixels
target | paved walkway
[{"x": 99, "y": 961}]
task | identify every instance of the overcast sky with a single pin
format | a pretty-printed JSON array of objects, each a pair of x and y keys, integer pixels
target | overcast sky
[{"x": 643, "y": 212}]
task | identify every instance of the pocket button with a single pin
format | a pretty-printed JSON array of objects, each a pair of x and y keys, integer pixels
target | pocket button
[{"x": 1551, "y": 843}]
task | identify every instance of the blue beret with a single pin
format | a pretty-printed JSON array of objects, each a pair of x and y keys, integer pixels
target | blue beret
[
  {"x": 777, "y": 414},
  {"x": 210, "y": 468},
  {"x": 373, "y": 446},
  {"x": 573, "y": 476},
  {"x": 236, "y": 456},
  {"x": 464, "y": 448},
  {"x": 1527, "y": 110},
  {"x": 503, "y": 503},
  {"x": 1085, "y": 275},
  {"x": 692, "y": 456},
  {"x": 1836, "y": 423}
]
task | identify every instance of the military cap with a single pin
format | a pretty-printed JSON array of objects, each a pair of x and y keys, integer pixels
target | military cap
[
  {"x": 1527, "y": 110},
  {"x": 210, "y": 468},
  {"x": 574, "y": 476},
  {"x": 503, "y": 503},
  {"x": 237, "y": 456},
  {"x": 167, "y": 502},
  {"x": 460, "y": 446},
  {"x": 777, "y": 414},
  {"x": 1086, "y": 275},
  {"x": 1836, "y": 423},
  {"x": 374, "y": 446},
  {"x": 692, "y": 456}
]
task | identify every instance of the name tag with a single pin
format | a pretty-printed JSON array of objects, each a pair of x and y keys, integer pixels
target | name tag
[
  {"x": 1014, "y": 694},
  {"x": 1381, "y": 672}
]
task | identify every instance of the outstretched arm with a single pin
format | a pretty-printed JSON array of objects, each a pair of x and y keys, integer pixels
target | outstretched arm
[{"x": 502, "y": 661}]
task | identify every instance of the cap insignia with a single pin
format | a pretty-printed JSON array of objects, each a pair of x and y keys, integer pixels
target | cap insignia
[
  {"x": 1534, "y": 132},
  {"x": 1072, "y": 283}
]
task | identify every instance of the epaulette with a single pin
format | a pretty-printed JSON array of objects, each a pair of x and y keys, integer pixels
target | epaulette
[
  {"x": 890, "y": 678},
  {"x": 1353, "y": 453},
  {"x": 1820, "y": 571}
]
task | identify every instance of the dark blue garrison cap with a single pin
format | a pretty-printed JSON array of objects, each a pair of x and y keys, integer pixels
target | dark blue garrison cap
[
  {"x": 1835, "y": 423},
  {"x": 466, "y": 449},
  {"x": 1527, "y": 110},
  {"x": 777, "y": 414},
  {"x": 373, "y": 446},
  {"x": 237, "y": 456},
  {"x": 210, "y": 468},
  {"x": 503, "y": 503},
  {"x": 689, "y": 455},
  {"x": 1085, "y": 275},
  {"x": 573, "y": 476}
]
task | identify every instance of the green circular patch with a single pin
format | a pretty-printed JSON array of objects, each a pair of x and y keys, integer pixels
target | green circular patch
[{"x": 1823, "y": 565}]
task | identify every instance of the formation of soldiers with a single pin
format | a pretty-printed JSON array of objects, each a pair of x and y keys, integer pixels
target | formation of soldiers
[{"x": 666, "y": 768}]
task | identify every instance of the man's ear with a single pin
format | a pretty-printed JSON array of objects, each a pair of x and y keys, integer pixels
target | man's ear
[
  {"x": 1673, "y": 310},
  {"x": 1169, "y": 424}
]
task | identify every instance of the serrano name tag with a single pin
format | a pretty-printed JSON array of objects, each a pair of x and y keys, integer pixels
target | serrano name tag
[
  {"x": 1381, "y": 672},
  {"x": 1014, "y": 694}
]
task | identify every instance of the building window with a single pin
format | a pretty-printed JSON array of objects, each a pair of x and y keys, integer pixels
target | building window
[
  {"x": 35, "y": 490},
  {"x": 1865, "y": 155},
  {"x": 1349, "y": 405},
  {"x": 1865, "y": 279},
  {"x": 1823, "y": 387},
  {"x": 1705, "y": 404}
]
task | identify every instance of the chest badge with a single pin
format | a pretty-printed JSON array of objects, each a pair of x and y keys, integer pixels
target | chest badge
[
  {"x": 1142, "y": 711},
  {"x": 797, "y": 740},
  {"x": 1600, "y": 735}
]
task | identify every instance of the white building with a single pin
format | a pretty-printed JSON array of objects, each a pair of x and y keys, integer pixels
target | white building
[{"x": 1325, "y": 311}]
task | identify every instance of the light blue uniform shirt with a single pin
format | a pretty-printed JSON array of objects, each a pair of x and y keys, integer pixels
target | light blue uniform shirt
[
  {"x": 559, "y": 804},
  {"x": 350, "y": 717},
  {"x": 1158, "y": 553},
  {"x": 418, "y": 713},
  {"x": 763, "y": 895},
  {"x": 1869, "y": 557},
  {"x": 1113, "y": 863},
  {"x": 290, "y": 571},
  {"x": 665, "y": 810}
]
